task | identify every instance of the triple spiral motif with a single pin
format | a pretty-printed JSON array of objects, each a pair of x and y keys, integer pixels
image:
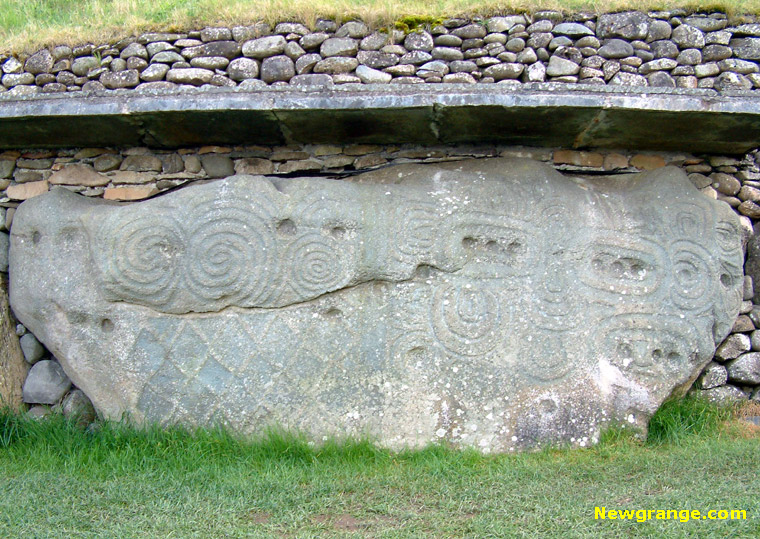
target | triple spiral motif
[{"x": 224, "y": 255}]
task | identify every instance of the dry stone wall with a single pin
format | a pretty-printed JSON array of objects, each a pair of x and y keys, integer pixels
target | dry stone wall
[
  {"x": 673, "y": 49},
  {"x": 129, "y": 174}
]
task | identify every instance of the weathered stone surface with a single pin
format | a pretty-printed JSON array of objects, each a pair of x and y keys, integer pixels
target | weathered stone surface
[
  {"x": 734, "y": 346},
  {"x": 46, "y": 383},
  {"x": 629, "y": 25},
  {"x": 714, "y": 375},
  {"x": 616, "y": 48},
  {"x": 13, "y": 368},
  {"x": 31, "y": 348},
  {"x": 487, "y": 303},
  {"x": 745, "y": 369},
  {"x": 723, "y": 395},
  {"x": 78, "y": 407}
]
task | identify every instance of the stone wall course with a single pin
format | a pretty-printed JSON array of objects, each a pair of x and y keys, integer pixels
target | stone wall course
[{"x": 627, "y": 42}]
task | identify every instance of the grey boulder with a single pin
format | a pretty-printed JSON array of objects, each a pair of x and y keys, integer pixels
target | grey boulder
[
  {"x": 46, "y": 383},
  {"x": 494, "y": 304}
]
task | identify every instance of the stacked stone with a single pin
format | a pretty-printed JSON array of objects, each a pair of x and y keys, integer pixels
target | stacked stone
[
  {"x": 47, "y": 389},
  {"x": 667, "y": 49},
  {"x": 734, "y": 373}
]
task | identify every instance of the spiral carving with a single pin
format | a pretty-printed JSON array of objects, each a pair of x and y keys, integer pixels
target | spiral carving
[
  {"x": 692, "y": 276},
  {"x": 467, "y": 321},
  {"x": 146, "y": 257},
  {"x": 317, "y": 265},
  {"x": 230, "y": 255}
]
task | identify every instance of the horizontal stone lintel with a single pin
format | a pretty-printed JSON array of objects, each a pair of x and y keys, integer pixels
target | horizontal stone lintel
[{"x": 554, "y": 115}]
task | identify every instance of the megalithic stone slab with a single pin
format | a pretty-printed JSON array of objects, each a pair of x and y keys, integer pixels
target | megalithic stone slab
[{"x": 489, "y": 303}]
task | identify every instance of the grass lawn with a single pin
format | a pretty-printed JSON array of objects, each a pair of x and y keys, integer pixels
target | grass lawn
[
  {"x": 28, "y": 24},
  {"x": 58, "y": 480}
]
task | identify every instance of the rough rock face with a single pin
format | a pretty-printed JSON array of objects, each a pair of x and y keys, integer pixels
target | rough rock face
[
  {"x": 13, "y": 368},
  {"x": 491, "y": 303}
]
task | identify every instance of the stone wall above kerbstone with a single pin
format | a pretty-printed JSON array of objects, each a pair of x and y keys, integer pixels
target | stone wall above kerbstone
[{"x": 672, "y": 49}]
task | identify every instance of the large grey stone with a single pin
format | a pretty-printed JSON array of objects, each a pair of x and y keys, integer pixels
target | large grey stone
[
  {"x": 629, "y": 25},
  {"x": 46, "y": 383},
  {"x": 490, "y": 303}
]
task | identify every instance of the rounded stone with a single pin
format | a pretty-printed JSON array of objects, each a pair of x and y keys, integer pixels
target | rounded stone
[
  {"x": 313, "y": 41},
  {"x": 662, "y": 64},
  {"x": 715, "y": 53},
  {"x": 374, "y": 42},
  {"x": 689, "y": 57},
  {"x": 82, "y": 65},
  {"x": 39, "y": 62},
  {"x": 336, "y": 65},
  {"x": 661, "y": 79},
  {"x": 353, "y": 29},
  {"x": 77, "y": 407},
  {"x": 415, "y": 58},
  {"x": 339, "y": 46},
  {"x": 733, "y": 346},
  {"x": 747, "y": 48},
  {"x": 504, "y": 71},
  {"x": 154, "y": 72},
  {"x": 167, "y": 57},
  {"x": 559, "y": 67},
  {"x": 134, "y": 49},
  {"x": 714, "y": 375},
  {"x": 46, "y": 383},
  {"x": 122, "y": 79},
  {"x": 418, "y": 41},
  {"x": 659, "y": 30},
  {"x": 516, "y": 44},
  {"x": 31, "y": 348},
  {"x": 745, "y": 369},
  {"x": 369, "y": 75},
  {"x": 210, "y": 62},
  {"x": 277, "y": 68},
  {"x": 470, "y": 31},
  {"x": 193, "y": 75},
  {"x": 628, "y": 25},
  {"x": 664, "y": 49},
  {"x": 572, "y": 29},
  {"x": 732, "y": 81},
  {"x": 688, "y": 37},
  {"x": 377, "y": 59},
  {"x": 243, "y": 68},
  {"x": 448, "y": 54},
  {"x": 264, "y": 47}
]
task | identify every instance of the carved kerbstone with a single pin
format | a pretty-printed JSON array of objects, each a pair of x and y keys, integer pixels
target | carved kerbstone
[{"x": 491, "y": 303}]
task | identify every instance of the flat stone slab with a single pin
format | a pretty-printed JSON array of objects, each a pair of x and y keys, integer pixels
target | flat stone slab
[
  {"x": 490, "y": 303},
  {"x": 536, "y": 114}
]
